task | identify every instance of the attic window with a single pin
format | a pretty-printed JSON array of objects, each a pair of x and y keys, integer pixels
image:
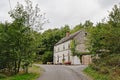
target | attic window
[{"x": 85, "y": 34}]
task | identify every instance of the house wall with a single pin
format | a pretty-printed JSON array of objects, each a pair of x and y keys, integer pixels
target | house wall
[
  {"x": 60, "y": 51},
  {"x": 81, "y": 41},
  {"x": 63, "y": 50}
]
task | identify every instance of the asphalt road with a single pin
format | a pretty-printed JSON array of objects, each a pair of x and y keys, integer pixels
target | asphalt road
[{"x": 61, "y": 72}]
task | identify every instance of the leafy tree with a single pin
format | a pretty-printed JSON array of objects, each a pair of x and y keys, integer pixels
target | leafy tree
[
  {"x": 88, "y": 23},
  {"x": 106, "y": 35},
  {"x": 47, "y": 57},
  {"x": 77, "y": 28},
  {"x": 64, "y": 30},
  {"x": 114, "y": 16},
  {"x": 18, "y": 40},
  {"x": 104, "y": 40},
  {"x": 30, "y": 16}
]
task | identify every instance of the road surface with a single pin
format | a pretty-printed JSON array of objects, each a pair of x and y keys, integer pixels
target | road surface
[{"x": 61, "y": 72}]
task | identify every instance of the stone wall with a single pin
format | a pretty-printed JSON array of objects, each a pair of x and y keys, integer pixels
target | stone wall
[{"x": 86, "y": 59}]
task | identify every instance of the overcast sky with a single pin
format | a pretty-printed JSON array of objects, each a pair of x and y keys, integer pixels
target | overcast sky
[{"x": 61, "y": 12}]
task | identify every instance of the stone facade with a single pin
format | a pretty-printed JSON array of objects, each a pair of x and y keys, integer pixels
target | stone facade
[{"x": 62, "y": 51}]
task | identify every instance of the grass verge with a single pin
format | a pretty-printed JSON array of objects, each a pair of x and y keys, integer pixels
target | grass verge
[
  {"x": 34, "y": 73},
  {"x": 94, "y": 74}
]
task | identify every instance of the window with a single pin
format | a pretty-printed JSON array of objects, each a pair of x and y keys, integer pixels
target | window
[
  {"x": 54, "y": 50},
  {"x": 58, "y": 48},
  {"x": 68, "y": 46},
  {"x": 68, "y": 57},
  {"x": 63, "y": 47},
  {"x": 85, "y": 34},
  {"x": 58, "y": 58}
]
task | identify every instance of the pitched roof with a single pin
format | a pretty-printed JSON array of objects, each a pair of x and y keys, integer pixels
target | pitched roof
[{"x": 68, "y": 38}]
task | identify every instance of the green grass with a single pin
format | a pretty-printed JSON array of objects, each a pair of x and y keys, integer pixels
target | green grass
[
  {"x": 27, "y": 76},
  {"x": 95, "y": 75},
  {"x": 34, "y": 73}
]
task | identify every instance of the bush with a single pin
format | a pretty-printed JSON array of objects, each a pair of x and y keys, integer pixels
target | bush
[
  {"x": 109, "y": 65},
  {"x": 104, "y": 70},
  {"x": 94, "y": 74},
  {"x": 113, "y": 60},
  {"x": 115, "y": 73},
  {"x": 2, "y": 76},
  {"x": 47, "y": 57}
]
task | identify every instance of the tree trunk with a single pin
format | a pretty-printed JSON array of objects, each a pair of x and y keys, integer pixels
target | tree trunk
[
  {"x": 19, "y": 63},
  {"x": 15, "y": 68},
  {"x": 26, "y": 69}
]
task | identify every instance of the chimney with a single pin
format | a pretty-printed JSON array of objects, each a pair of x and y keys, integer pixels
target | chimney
[{"x": 67, "y": 34}]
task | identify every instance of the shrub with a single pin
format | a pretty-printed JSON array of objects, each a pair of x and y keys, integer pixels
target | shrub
[
  {"x": 115, "y": 73},
  {"x": 2, "y": 76},
  {"x": 104, "y": 70},
  {"x": 47, "y": 57},
  {"x": 113, "y": 60}
]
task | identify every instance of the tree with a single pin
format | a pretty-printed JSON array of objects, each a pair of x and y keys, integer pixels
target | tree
[
  {"x": 47, "y": 57},
  {"x": 114, "y": 16},
  {"x": 31, "y": 17},
  {"x": 88, "y": 23},
  {"x": 106, "y": 35},
  {"x": 64, "y": 30},
  {"x": 104, "y": 40},
  {"x": 19, "y": 40},
  {"x": 77, "y": 28}
]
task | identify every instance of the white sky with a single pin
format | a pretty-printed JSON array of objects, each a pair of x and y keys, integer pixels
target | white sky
[{"x": 61, "y": 12}]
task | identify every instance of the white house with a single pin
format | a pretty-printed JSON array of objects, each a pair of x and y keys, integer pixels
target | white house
[{"x": 62, "y": 50}]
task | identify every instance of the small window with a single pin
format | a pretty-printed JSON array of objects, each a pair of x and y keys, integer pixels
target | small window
[
  {"x": 63, "y": 47},
  {"x": 85, "y": 34},
  {"x": 54, "y": 50},
  {"x": 68, "y": 46},
  {"x": 58, "y": 48}
]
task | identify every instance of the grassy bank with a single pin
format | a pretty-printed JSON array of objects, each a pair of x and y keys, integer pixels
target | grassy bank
[
  {"x": 95, "y": 75},
  {"x": 34, "y": 72}
]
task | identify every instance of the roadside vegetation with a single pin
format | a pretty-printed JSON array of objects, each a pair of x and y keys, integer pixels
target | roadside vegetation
[
  {"x": 19, "y": 42},
  {"x": 33, "y": 73},
  {"x": 104, "y": 44},
  {"x": 95, "y": 75}
]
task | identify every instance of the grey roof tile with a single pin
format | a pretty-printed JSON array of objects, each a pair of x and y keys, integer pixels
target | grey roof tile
[{"x": 68, "y": 38}]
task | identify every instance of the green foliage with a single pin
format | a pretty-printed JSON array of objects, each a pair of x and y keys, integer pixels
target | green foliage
[
  {"x": 106, "y": 35},
  {"x": 104, "y": 41},
  {"x": 107, "y": 65},
  {"x": 77, "y": 28},
  {"x": 73, "y": 47},
  {"x": 95, "y": 75},
  {"x": 47, "y": 57},
  {"x": 27, "y": 76},
  {"x": 2, "y": 76},
  {"x": 88, "y": 24},
  {"x": 18, "y": 40},
  {"x": 114, "y": 16},
  {"x": 34, "y": 73},
  {"x": 29, "y": 16}
]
